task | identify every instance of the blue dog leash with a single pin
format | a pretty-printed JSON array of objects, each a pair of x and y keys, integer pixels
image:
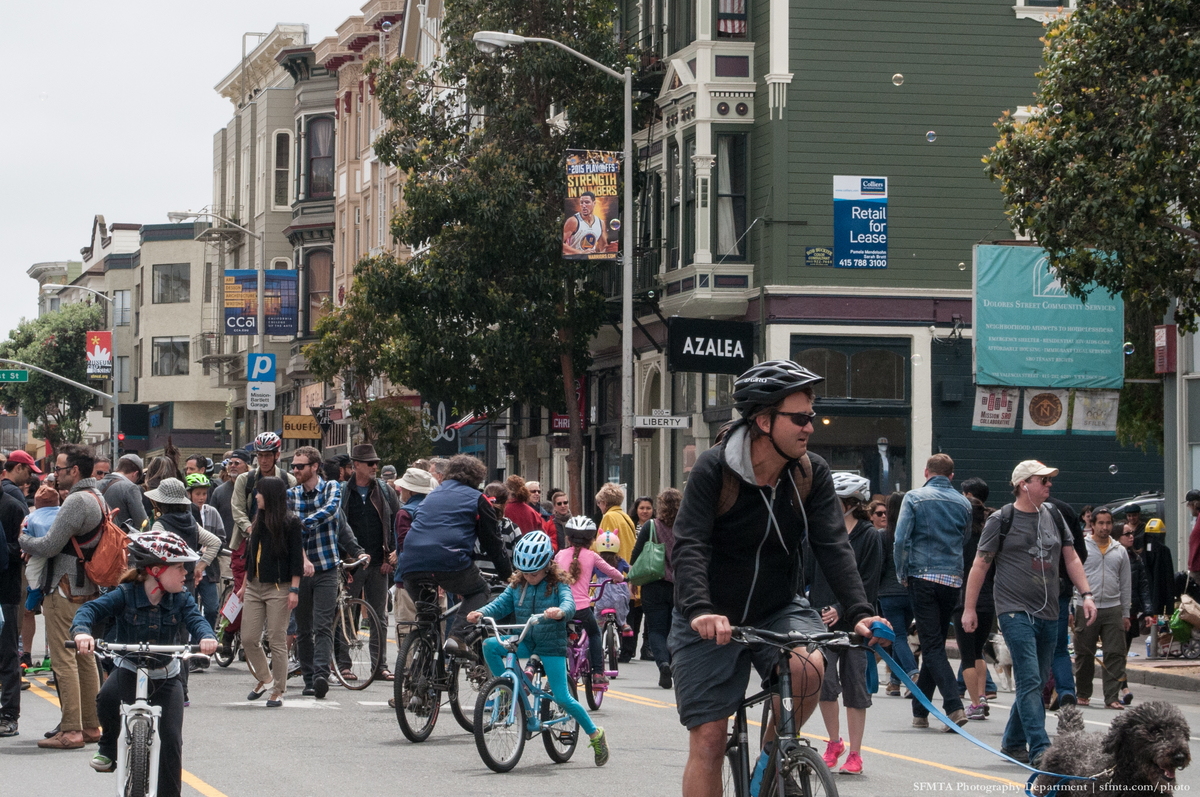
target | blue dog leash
[{"x": 883, "y": 633}]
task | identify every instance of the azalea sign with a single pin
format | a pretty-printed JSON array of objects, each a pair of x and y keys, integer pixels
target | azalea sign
[{"x": 99, "y": 355}]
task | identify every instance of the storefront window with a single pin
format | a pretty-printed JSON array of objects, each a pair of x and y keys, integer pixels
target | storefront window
[
  {"x": 875, "y": 447},
  {"x": 683, "y": 442}
]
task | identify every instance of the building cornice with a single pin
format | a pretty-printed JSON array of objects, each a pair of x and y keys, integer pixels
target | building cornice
[{"x": 260, "y": 62}]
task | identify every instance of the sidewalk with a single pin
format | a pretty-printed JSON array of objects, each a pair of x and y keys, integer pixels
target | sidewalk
[{"x": 1182, "y": 674}]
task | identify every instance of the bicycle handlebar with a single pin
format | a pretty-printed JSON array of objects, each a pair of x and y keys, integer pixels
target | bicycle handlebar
[
  {"x": 175, "y": 651},
  {"x": 512, "y": 643},
  {"x": 601, "y": 584},
  {"x": 350, "y": 567},
  {"x": 749, "y": 635}
]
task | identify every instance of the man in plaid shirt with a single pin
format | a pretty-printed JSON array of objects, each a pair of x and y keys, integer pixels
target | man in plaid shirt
[{"x": 317, "y": 502}]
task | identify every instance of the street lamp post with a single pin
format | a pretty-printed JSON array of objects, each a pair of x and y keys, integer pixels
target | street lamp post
[
  {"x": 116, "y": 393},
  {"x": 489, "y": 42}
]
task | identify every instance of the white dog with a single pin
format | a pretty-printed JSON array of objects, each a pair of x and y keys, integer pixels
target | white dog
[{"x": 996, "y": 653}]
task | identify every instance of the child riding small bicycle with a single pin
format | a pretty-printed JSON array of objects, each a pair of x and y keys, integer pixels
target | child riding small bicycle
[
  {"x": 149, "y": 605},
  {"x": 579, "y": 561},
  {"x": 615, "y": 596},
  {"x": 538, "y": 585}
]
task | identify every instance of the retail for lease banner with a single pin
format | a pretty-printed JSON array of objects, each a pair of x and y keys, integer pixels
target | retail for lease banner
[
  {"x": 592, "y": 230},
  {"x": 859, "y": 222},
  {"x": 995, "y": 409}
]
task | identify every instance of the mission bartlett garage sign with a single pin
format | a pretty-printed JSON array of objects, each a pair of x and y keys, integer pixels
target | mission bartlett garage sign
[{"x": 709, "y": 347}]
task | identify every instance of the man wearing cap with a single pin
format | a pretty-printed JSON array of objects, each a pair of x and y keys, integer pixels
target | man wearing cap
[
  {"x": 121, "y": 492},
  {"x": 369, "y": 505},
  {"x": 414, "y": 485},
  {"x": 1025, "y": 540},
  {"x": 1135, "y": 525},
  {"x": 17, "y": 470}
]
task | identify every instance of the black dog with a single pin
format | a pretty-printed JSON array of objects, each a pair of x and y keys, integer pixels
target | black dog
[{"x": 1140, "y": 754}]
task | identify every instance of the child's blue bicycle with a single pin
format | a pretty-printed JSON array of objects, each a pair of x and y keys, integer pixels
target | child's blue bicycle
[{"x": 504, "y": 713}]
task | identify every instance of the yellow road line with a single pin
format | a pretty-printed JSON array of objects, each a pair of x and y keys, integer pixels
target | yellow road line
[
  {"x": 649, "y": 701},
  {"x": 188, "y": 777}
]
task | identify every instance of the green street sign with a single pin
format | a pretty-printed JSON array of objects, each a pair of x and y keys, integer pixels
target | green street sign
[{"x": 14, "y": 375}]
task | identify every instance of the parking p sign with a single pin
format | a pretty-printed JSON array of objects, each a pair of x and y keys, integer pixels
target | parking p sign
[{"x": 260, "y": 367}]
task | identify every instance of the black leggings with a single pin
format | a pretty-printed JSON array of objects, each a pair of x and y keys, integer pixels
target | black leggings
[
  {"x": 121, "y": 687},
  {"x": 587, "y": 618}
]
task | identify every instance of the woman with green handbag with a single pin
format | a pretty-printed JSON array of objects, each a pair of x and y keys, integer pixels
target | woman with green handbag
[{"x": 652, "y": 568}]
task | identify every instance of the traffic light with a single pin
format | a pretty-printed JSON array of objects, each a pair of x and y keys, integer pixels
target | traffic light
[{"x": 120, "y": 437}]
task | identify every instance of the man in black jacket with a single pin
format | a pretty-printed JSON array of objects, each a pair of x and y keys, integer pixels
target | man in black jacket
[
  {"x": 17, "y": 469},
  {"x": 750, "y": 503},
  {"x": 12, "y": 514}
]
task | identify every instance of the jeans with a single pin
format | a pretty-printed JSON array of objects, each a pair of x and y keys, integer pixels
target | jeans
[
  {"x": 1064, "y": 678},
  {"x": 587, "y": 618},
  {"x": 206, "y": 595},
  {"x": 658, "y": 599},
  {"x": 371, "y": 585},
  {"x": 556, "y": 673},
  {"x": 10, "y": 662},
  {"x": 314, "y": 625},
  {"x": 167, "y": 693},
  {"x": 1031, "y": 642},
  {"x": 897, "y": 610},
  {"x": 468, "y": 583},
  {"x": 933, "y": 605}
]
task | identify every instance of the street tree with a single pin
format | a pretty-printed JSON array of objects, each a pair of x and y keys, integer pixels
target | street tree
[
  {"x": 56, "y": 342},
  {"x": 491, "y": 315},
  {"x": 1105, "y": 174}
]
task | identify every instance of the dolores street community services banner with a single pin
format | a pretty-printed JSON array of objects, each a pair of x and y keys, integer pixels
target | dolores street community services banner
[
  {"x": 1028, "y": 332},
  {"x": 1045, "y": 412},
  {"x": 281, "y": 301},
  {"x": 241, "y": 301},
  {"x": 1095, "y": 412},
  {"x": 859, "y": 222},
  {"x": 592, "y": 230},
  {"x": 995, "y": 409},
  {"x": 99, "y": 355}
]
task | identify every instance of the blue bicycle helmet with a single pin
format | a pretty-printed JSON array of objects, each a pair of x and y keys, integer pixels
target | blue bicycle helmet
[{"x": 532, "y": 552}]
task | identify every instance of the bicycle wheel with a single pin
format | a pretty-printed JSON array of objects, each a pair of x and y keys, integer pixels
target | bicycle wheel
[
  {"x": 227, "y": 647},
  {"x": 348, "y": 635},
  {"x": 137, "y": 770},
  {"x": 466, "y": 679},
  {"x": 594, "y": 696},
  {"x": 560, "y": 739},
  {"x": 499, "y": 726},
  {"x": 804, "y": 775},
  {"x": 612, "y": 646},
  {"x": 731, "y": 768},
  {"x": 417, "y": 699}
]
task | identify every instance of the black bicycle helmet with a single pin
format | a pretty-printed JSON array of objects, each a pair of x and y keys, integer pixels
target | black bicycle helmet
[{"x": 769, "y": 383}]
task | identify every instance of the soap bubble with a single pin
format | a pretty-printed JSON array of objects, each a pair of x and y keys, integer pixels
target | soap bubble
[
  {"x": 43, "y": 96},
  {"x": 931, "y": 136},
  {"x": 1057, "y": 108},
  {"x": 1127, "y": 348},
  {"x": 916, "y": 359},
  {"x": 962, "y": 266},
  {"x": 898, "y": 79},
  {"x": 1112, "y": 469}
]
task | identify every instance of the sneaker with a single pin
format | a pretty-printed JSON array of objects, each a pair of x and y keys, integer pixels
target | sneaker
[
  {"x": 308, "y": 690},
  {"x": 976, "y": 712},
  {"x": 990, "y": 695},
  {"x": 102, "y": 763},
  {"x": 893, "y": 690},
  {"x": 853, "y": 765},
  {"x": 1126, "y": 697},
  {"x": 646, "y": 655},
  {"x": 987, "y": 709},
  {"x": 1067, "y": 700},
  {"x": 455, "y": 646},
  {"x": 920, "y": 722},
  {"x": 320, "y": 687},
  {"x": 600, "y": 745},
  {"x": 833, "y": 751},
  {"x": 26, "y": 661},
  {"x": 8, "y": 727},
  {"x": 1019, "y": 754},
  {"x": 664, "y": 676},
  {"x": 959, "y": 718},
  {"x": 599, "y": 679}
]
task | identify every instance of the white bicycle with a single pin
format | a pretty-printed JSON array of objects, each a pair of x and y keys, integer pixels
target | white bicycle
[{"x": 138, "y": 751}]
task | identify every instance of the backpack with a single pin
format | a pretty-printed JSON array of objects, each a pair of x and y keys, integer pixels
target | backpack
[
  {"x": 105, "y": 563},
  {"x": 731, "y": 484},
  {"x": 1006, "y": 521}
]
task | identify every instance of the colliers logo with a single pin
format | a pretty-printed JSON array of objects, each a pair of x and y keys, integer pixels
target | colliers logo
[{"x": 873, "y": 187}]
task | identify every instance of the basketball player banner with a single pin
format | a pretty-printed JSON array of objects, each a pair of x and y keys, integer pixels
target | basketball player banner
[{"x": 592, "y": 230}]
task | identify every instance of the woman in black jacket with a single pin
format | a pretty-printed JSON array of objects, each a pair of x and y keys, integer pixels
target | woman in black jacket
[
  {"x": 274, "y": 564},
  {"x": 1141, "y": 608},
  {"x": 658, "y": 597}
]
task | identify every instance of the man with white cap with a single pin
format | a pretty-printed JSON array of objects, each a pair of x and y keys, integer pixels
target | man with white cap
[
  {"x": 413, "y": 486},
  {"x": 1025, "y": 540}
]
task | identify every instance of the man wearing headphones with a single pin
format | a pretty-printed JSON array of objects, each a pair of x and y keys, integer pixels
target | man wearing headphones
[{"x": 1025, "y": 540}]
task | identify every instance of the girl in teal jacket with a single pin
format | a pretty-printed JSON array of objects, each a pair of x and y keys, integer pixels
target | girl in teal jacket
[{"x": 539, "y": 586}]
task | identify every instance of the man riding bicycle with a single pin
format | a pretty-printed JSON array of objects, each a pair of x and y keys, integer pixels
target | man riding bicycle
[{"x": 749, "y": 503}]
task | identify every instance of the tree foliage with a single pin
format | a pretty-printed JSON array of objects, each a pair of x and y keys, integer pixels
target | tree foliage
[
  {"x": 56, "y": 342},
  {"x": 1105, "y": 174}
]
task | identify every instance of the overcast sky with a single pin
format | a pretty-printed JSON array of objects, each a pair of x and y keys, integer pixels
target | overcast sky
[{"x": 111, "y": 111}]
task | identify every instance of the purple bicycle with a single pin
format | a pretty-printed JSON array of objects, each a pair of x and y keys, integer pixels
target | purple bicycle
[{"x": 579, "y": 665}]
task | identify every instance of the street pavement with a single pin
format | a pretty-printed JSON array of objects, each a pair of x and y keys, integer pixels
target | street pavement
[{"x": 350, "y": 743}]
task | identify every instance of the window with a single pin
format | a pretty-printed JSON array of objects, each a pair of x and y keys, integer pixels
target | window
[
  {"x": 718, "y": 390},
  {"x": 120, "y": 306},
  {"x": 731, "y": 196},
  {"x": 122, "y": 375},
  {"x": 169, "y": 356},
  {"x": 320, "y": 158},
  {"x": 283, "y": 165},
  {"x": 674, "y": 178},
  {"x": 208, "y": 283},
  {"x": 689, "y": 203},
  {"x": 731, "y": 19},
  {"x": 682, "y": 25},
  {"x": 172, "y": 283},
  {"x": 856, "y": 368},
  {"x": 319, "y": 279}
]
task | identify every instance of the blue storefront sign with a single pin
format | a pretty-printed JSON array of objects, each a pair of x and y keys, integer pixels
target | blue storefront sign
[
  {"x": 859, "y": 222},
  {"x": 1030, "y": 333}
]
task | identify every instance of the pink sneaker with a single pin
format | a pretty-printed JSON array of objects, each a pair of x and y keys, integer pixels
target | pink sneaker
[
  {"x": 853, "y": 765},
  {"x": 833, "y": 751}
]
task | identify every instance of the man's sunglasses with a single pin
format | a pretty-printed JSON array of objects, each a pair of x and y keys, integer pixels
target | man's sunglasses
[
  {"x": 801, "y": 419},
  {"x": 562, "y": 503},
  {"x": 301, "y": 465}
]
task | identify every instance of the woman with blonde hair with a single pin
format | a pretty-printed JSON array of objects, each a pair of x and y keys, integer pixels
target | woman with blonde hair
[{"x": 609, "y": 500}]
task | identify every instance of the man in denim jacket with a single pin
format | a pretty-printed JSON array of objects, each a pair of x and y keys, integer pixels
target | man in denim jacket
[{"x": 934, "y": 520}]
